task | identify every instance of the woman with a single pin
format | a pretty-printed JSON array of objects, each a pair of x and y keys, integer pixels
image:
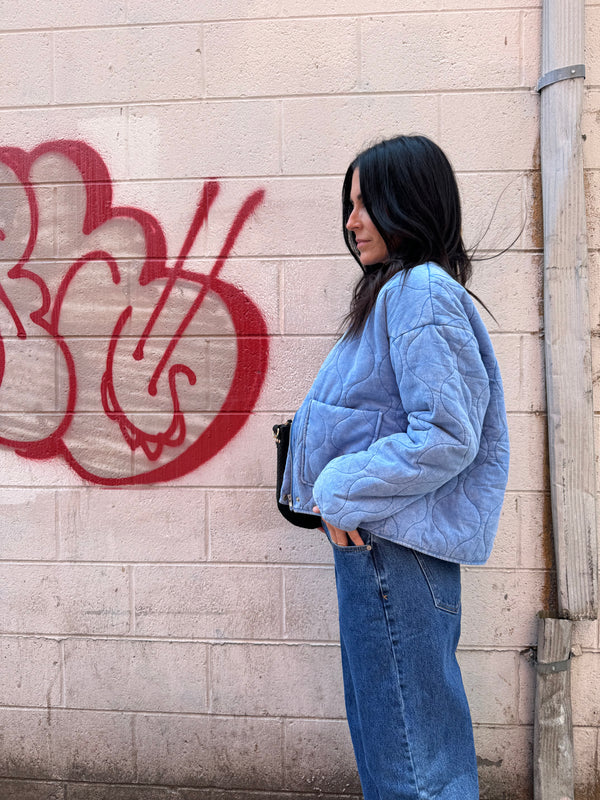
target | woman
[{"x": 401, "y": 446}]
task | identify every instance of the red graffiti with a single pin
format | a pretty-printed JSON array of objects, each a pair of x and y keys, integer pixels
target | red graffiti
[{"x": 132, "y": 370}]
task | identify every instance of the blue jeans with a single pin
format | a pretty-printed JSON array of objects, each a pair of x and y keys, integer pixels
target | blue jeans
[{"x": 399, "y": 614}]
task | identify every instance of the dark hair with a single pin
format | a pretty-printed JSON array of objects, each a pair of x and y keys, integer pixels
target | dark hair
[{"x": 409, "y": 190}]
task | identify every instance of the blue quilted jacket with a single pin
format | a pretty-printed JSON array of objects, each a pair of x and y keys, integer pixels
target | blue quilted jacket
[{"x": 403, "y": 433}]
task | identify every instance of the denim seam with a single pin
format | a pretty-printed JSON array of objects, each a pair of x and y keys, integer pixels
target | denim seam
[
  {"x": 365, "y": 760},
  {"x": 384, "y": 591}
]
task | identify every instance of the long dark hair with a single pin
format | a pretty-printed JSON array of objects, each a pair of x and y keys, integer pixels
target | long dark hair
[{"x": 409, "y": 190}]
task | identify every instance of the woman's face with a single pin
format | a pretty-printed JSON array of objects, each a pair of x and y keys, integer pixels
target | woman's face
[{"x": 369, "y": 242}]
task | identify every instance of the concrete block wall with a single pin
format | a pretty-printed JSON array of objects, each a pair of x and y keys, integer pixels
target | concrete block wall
[{"x": 163, "y": 633}]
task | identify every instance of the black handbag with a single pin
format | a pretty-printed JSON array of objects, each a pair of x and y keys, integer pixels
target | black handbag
[{"x": 281, "y": 432}]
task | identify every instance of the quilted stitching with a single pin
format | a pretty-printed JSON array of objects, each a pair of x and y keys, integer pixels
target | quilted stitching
[{"x": 432, "y": 474}]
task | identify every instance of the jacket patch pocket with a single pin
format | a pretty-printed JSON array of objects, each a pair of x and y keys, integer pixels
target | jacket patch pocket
[
  {"x": 332, "y": 431},
  {"x": 443, "y": 578}
]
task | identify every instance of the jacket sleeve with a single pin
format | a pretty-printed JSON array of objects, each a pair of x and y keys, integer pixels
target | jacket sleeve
[{"x": 444, "y": 389}]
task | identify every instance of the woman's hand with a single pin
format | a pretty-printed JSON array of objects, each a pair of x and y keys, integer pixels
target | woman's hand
[{"x": 340, "y": 537}]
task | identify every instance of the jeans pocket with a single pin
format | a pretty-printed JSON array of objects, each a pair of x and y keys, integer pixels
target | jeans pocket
[
  {"x": 443, "y": 579},
  {"x": 351, "y": 547}
]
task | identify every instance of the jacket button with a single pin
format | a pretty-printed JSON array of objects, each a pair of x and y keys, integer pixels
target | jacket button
[{"x": 297, "y": 499}]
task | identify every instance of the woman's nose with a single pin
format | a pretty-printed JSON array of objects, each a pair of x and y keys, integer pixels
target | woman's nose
[{"x": 352, "y": 220}]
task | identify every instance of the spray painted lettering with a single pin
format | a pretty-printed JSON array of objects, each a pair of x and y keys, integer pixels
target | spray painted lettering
[{"x": 130, "y": 367}]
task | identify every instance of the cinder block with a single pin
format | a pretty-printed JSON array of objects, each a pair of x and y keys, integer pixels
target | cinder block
[
  {"x": 65, "y": 598},
  {"x": 592, "y": 202},
  {"x": 209, "y": 601},
  {"x": 592, "y": 45},
  {"x": 95, "y": 298},
  {"x": 99, "y": 449},
  {"x": 533, "y": 393},
  {"x": 485, "y": 4},
  {"x": 489, "y": 45},
  {"x": 537, "y": 549},
  {"x": 527, "y": 683},
  {"x": 28, "y": 522},
  {"x": 317, "y": 293},
  {"x": 596, "y": 424},
  {"x": 292, "y": 8},
  {"x": 528, "y": 461},
  {"x": 128, "y": 64},
  {"x": 500, "y": 607},
  {"x": 505, "y": 552},
  {"x": 209, "y": 751},
  {"x": 222, "y": 364},
  {"x": 136, "y": 675},
  {"x": 28, "y": 393},
  {"x": 53, "y": 744},
  {"x": 591, "y": 107},
  {"x": 211, "y": 361},
  {"x": 21, "y": 473},
  {"x": 254, "y": 463},
  {"x": 132, "y": 525},
  {"x": 259, "y": 280},
  {"x": 508, "y": 352},
  {"x": 29, "y": 672},
  {"x": 585, "y": 689},
  {"x": 17, "y": 227},
  {"x": 531, "y": 50},
  {"x": 505, "y": 761},
  {"x": 322, "y": 135},
  {"x": 212, "y": 318},
  {"x": 26, "y": 62},
  {"x": 266, "y": 57},
  {"x": 494, "y": 116},
  {"x": 585, "y": 634},
  {"x": 282, "y": 201},
  {"x": 585, "y": 747},
  {"x": 595, "y": 345},
  {"x": 594, "y": 297},
  {"x": 491, "y": 684},
  {"x": 123, "y": 236},
  {"x": 245, "y": 526},
  {"x": 264, "y": 679},
  {"x": 319, "y": 756},
  {"x": 521, "y": 360},
  {"x": 102, "y": 128},
  {"x": 31, "y": 790},
  {"x": 310, "y": 604},
  {"x": 295, "y": 362},
  {"x": 250, "y": 130},
  {"x": 502, "y": 212},
  {"x": 59, "y": 14},
  {"x": 188, "y": 11}
]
